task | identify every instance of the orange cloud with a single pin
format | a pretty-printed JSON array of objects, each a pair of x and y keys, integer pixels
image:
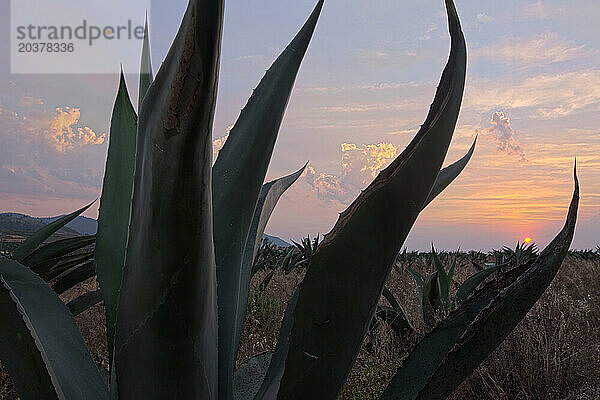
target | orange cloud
[
  {"x": 65, "y": 135},
  {"x": 359, "y": 166}
]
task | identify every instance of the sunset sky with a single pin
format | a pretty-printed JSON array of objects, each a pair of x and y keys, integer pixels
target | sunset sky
[{"x": 532, "y": 95}]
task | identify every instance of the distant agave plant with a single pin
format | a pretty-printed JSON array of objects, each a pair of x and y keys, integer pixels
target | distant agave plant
[
  {"x": 434, "y": 290},
  {"x": 174, "y": 263}
]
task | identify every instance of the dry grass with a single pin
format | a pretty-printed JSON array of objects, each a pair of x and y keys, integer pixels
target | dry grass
[{"x": 554, "y": 353}]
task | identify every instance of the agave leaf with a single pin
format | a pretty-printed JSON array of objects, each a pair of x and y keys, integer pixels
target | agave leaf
[
  {"x": 265, "y": 282},
  {"x": 166, "y": 331},
  {"x": 431, "y": 302},
  {"x": 422, "y": 361},
  {"x": 419, "y": 282},
  {"x": 397, "y": 320},
  {"x": 469, "y": 286},
  {"x": 449, "y": 174},
  {"x": 145, "y": 67},
  {"x": 270, "y": 194},
  {"x": 115, "y": 206},
  {"x": 363, "y": 246},
  {"x": 271, "y": 382},
  {"x": 443, "y": 282},
  {"x": 33, "y": 241},
  {"x": 389, "y": 296},
  {"x": 495, "y": 322},
  {"x": 46, "y": 357},
  {"x": 452, "y": 268},
  {"x": 64, "y": 263},
  {"x": 85, "y": 301},
  {"x": 73, "y": 276},
  {"x": 241, "y": 167},
  {"x": 249, "y": 376},
  {"x": 57, "y": 249}
]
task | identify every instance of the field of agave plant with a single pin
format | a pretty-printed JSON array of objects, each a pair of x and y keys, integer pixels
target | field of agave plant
[{"x": 178, "y": 236}]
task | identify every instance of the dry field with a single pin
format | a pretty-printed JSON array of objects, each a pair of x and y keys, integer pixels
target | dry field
[{"x": 554, "y": 353}]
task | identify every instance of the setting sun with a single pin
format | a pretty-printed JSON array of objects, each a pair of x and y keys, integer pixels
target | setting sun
[{"x": 527, "y": 240}]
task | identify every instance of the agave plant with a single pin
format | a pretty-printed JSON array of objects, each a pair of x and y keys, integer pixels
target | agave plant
[
  {"x": 174, "y": 261},
  {"x": 434, "y": 291},
  {"x": 521, "y": 254}
]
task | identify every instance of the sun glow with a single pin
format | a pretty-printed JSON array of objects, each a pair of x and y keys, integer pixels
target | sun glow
[{"x": 527, "y": 240}]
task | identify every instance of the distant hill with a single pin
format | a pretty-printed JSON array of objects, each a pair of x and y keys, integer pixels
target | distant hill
[
  {"x": 83, "y": 225},
  {"x": 21, "y": 225},
  {"x": 276, "y": 241}
]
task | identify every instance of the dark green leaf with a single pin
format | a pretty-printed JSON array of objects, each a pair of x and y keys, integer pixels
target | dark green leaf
[
  {"x": 449, "y": 174},
  {"x": 391, "y": 299},
  {"x": 432, "y": 300},
  {"x": 241, "y": 167},
  {"x": 145, "y": 68},
  {"x": 495, "y": 322},
  {"x": 62, "y": 264},
  {"x": 46, "y": 357},
  {"x": 270, "y": 385},
  {"x": 396, "y": 319},
  {"x": 419, "y": 282},
  {"x": 115, "y": 206},
  {"x": 166, "y": 331},
  {"x": 469, "y": 286},
  {"x": 72, "y": 277},
  {"x": 443, "y": 282},
  {"x": 429, "y": 353},
  {"x": 269, "y": 195},
  {"x": 57, "y": 249},
  {"x": 85, "y": 301},
  {"x": 332, "y": 319},
  {"x": 33, "y": 241}
]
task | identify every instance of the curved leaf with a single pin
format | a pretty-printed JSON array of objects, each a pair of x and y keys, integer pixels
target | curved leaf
[
  {"x": 396, "y": 319},
  {"x": 166, "y": 331},
  {"x": 432, "y": 299},
  {"x": 429, "y": 353},
  {"x": 469, "y": 286},
  {"x": 85, "y": 301},
  {"x": 115, "y": 206},
  {"x": 46, "y": 357},
  {"x": 63, "y": 264},
  {"x": 419, "y": 282},
  {"x": 272, "y": 380},
  {"x": 270, "y": 194},
  {"x": 73, "y": 276},
  {"x": 449, "y": 174},
  {"x": 57, "y": 249},
  {"x": 391, "y": 299},
  {"x": 443, "y": 283},
  {"x": 495, "y": 322},
  {"x": 241, "y": 167},
  {"x": 33, "y": 241},
  {"x": 363, "y": 246}
]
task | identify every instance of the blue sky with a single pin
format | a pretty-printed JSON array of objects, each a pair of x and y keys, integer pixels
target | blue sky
[{"x": 532, "y": 94}]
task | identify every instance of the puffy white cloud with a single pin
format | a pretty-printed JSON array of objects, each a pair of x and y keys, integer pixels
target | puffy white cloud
[
  {"x": 505, "y": 136},
  {"x": 48, "y": 152},
  {"x": 63, "y": 133},
  {"x": 359, "y": 166}
]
